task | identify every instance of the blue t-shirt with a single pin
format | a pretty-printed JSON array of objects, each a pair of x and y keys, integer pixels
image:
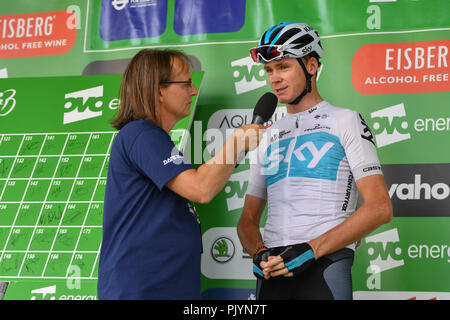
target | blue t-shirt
[{"x": 151, "y": 245}]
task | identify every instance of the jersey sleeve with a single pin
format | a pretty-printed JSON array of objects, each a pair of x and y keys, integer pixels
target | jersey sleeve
[
  {"x": 155, "y": 155},
  {"x": 359, "y": 145},
  {"x": 257, "y": 180}
]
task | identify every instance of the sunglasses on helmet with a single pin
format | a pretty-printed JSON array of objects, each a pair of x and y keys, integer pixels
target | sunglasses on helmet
[
  {"x": 266, "y": 53},
  {"x": 270, "y": 52}
]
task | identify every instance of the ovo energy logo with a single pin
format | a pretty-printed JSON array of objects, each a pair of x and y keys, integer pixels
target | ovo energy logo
[
  {"x": 390, "y": 125},
  {"x": 384, "y": 254},
  {"x": 248, "y": 75},
  {"x": 42, "y": 293},
  {"x": 235, "y": 190},
  {"x": 86, "y": 104},
  {"x": 384, "y": 250}
]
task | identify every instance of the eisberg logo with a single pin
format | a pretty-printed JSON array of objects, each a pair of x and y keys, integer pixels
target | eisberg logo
[
  {"x": 248, "y": 75},
  {"x": 384, "y": 250},
  {"x": 390, "y": 125},
  {"x": 86, "y": 104}
]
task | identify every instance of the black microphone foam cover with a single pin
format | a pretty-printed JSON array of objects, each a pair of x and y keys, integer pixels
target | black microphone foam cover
[{"x": 265, "y": 107}]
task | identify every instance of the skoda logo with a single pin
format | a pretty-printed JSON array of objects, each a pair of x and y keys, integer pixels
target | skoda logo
[{"x": 222, "y": 250}]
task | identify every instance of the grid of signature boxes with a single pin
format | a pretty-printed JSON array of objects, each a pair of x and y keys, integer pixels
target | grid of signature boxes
[{"x": 51, "y": 203}]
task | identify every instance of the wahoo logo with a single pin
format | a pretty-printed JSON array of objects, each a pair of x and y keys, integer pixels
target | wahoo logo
[
  {"x": 419, "y": 190},
  {"x": 316, "y": 155},
  {"x": 384, "y": 250},
  {"x": 248, "y": 75},
  {"x": 86, "y": 104},
  {"x": 235, "y": 190},
  {"x": 390, "y": 125}
]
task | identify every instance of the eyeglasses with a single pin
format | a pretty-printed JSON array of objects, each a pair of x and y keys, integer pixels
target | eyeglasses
[
  {"x": 269, "y": 52},
  {"x": 188, "y": 82}
]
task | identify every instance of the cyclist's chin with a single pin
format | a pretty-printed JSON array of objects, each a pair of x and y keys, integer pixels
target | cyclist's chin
[{"x": 284, "y": 99}]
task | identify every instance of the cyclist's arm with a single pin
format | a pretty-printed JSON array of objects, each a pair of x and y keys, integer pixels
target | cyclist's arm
[
  {"x": 375, "y": 211},
  {"x": 248, "y": 225}
]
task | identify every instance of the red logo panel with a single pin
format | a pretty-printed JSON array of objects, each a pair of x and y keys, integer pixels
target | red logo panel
[
  {"x": 409, "y": 67},
  {"x": 37, "y": 34}
]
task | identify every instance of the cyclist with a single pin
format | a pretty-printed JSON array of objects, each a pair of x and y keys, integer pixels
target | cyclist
[{"x": 309, "y": 168}]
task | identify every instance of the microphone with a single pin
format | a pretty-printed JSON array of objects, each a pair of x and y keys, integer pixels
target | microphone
[
  {"x": 265, "y": 107},
  {"x": 263, "y": 111}
]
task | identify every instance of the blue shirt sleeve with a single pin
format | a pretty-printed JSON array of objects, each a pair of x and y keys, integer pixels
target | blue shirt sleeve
[{"x": 155, "y": 155}]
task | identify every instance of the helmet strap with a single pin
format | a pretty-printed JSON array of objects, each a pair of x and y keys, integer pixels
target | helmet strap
[{"x": 308, "y": 88}]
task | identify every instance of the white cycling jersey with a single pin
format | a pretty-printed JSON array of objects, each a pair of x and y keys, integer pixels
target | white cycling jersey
[{"x": 306, "y": 167}]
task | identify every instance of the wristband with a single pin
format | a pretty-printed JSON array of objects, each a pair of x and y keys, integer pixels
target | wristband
[
  {"x": 263, "y": 255},
  {"x": 257, "y": 251}
]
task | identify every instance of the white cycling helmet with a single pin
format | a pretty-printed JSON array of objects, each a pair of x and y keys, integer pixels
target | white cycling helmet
[{"x": 287, "y": 39}]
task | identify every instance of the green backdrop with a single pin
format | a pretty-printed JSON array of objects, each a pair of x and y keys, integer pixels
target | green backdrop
[{"x": 62, "y": 60}]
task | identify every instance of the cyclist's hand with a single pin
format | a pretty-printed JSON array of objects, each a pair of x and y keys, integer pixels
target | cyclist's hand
[
  {"x": 262, "y": 256},
  {"x": 298, "y": 257},
  {"x": 290, "y": 260}
]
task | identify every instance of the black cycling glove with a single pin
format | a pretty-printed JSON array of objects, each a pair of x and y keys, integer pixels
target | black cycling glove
[
  {"x": 298, "y": 257},
  {"x": 261, "y": 256}
]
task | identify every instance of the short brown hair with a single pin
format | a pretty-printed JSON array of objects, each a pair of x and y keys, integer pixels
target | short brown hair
[{"x": 139, "y": 89}]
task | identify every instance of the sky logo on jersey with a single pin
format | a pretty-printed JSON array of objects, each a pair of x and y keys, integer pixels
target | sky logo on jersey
[
  {"x": 390, "y": 125},
  {"x": 316, "y": 155},
  {"x": 384, "y": 250},
  {"x": 247, "y": 75}
]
